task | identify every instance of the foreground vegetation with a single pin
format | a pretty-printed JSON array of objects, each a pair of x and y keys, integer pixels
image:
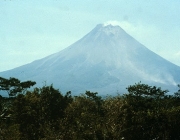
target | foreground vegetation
[{"x": 144, "y": 113}]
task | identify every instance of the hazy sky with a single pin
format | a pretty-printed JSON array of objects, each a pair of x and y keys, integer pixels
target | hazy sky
[{"x": 31, "y": 29}]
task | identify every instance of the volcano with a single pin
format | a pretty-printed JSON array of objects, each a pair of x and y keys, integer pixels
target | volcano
[{"x": 106, "y": 60}]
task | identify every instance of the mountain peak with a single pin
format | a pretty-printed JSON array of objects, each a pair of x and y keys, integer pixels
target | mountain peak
[
  {"x": 105, "y": 60},
  {"x": 109, "y": 30},
  {"x": 108, "y": 26}
]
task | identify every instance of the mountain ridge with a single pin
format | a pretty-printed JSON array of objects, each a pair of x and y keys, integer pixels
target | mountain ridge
[{"x": 105, "y": 58}]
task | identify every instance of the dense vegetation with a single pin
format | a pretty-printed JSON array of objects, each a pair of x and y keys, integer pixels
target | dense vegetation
[{"x": 144, "y": 113}]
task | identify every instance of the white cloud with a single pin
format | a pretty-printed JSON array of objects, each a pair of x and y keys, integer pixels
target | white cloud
[
  {"x": 177, "y": 54},
  {"x": 111, "y": 22}
]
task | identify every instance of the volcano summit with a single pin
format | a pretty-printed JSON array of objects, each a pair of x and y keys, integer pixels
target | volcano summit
[{"x": 106, "y": 60}]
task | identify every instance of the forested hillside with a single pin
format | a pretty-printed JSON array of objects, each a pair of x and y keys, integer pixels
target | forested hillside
[{"x": 144, "y": 113}]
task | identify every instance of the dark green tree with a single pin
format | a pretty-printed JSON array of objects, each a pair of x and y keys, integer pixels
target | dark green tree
[
  {"x": 13, "y": 86},
  {"x": 144, "y": 116}
]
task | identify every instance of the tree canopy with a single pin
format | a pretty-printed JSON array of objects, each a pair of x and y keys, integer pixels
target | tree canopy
[
  {"x": 144, "y": 113},
  {"x": 13, "y": 86}
]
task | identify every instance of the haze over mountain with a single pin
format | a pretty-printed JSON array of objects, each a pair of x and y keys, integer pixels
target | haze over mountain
[{"x": 105, "y": 60}]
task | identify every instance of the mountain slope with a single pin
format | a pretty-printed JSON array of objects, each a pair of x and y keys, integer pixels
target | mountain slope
[{"x": 105, "y": 60}]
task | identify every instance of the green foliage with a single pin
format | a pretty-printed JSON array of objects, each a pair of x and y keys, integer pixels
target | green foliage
[
  {"x": 144, "y": 113},
  {"x": 84, "y": 118},
  {"x": 14, "y": 85},
  {"x": 147, "y": 111},
  {"x": 146, "y": 91},
  {"x": 39, "y": 109}
]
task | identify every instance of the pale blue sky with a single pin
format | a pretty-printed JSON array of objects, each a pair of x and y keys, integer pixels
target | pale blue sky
[{"x": 31, "y": 29}]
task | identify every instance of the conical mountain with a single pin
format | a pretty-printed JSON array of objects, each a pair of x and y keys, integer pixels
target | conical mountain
[{"x": 105, "y": 60}]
